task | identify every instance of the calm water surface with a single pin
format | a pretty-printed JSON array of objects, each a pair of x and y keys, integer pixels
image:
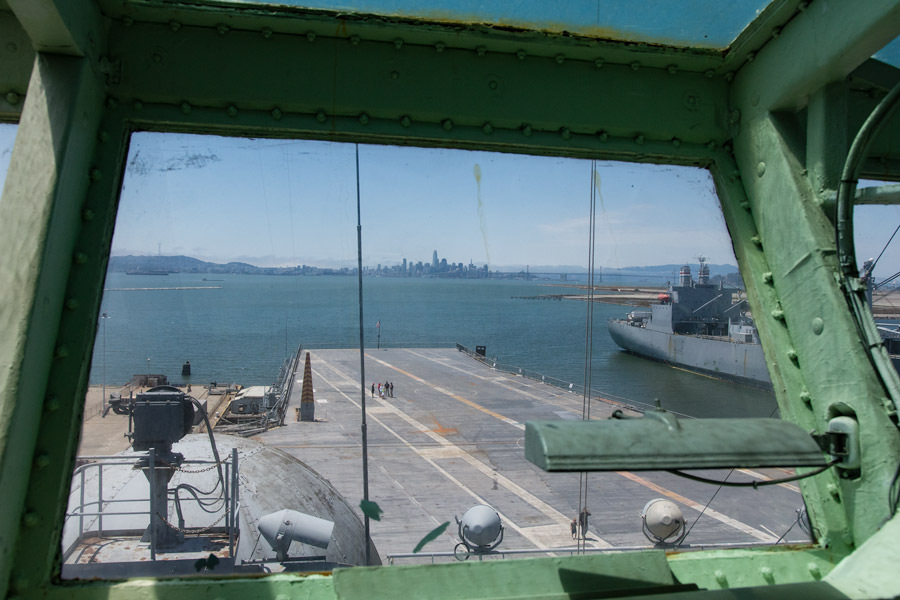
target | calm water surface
[{"x": 242, "y": 332}]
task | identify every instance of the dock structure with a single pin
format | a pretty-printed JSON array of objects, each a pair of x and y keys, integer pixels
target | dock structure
[{"x": 452, "y": 436}]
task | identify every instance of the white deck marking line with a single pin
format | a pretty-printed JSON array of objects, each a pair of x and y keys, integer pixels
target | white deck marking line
[
  {"x": 751, "y": 531},
  {"x": 564, "y": 400},
  {"x": 538, "y": 504},
  {"x": 510, "y": 485},
  {"x": 743, "y": 527},
  {"x": 762, "y": 477},
  {"x": 754, "y": 474},
  {"x": 446, "y": 474},
  {"x": 438, "y": 388}
]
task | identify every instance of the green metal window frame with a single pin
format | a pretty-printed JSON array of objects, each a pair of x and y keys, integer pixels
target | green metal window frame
[{"x": 771, "y": 118}]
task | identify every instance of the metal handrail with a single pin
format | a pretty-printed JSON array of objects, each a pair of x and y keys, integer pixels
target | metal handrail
[
  {"x": 80, "y": 511},
  {"x": 570, "y": 550}
]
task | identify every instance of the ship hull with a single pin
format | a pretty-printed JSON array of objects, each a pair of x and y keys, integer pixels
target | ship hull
[{"x": 720, "y": 358}]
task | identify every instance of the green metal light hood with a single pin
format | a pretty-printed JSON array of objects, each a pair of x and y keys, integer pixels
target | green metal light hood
[{"x": 661, "y": 441}]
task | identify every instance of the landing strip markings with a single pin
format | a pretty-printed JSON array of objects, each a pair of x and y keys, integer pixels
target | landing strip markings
[
  {"x": 499, "y": 381},
  {"x": 438, "y": 388},
  {"x": 425, "y": 454},
  {"x": 743, "y": 527}
]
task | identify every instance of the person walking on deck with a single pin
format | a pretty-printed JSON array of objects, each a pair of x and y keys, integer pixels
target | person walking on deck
[{"x": 583, "y": 521}]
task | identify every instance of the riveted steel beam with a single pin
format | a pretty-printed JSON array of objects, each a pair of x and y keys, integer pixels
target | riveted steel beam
[
  {"x": 210, "y": 67},
  {"x": 41, "y": 210},
  {"x": 60, "y": 26},
  {"x": 274, "y": 20},
  {"x": 16, "y": 60},
  {"x": 818, "y": 363},
  {"x": 821, "y": 45}
]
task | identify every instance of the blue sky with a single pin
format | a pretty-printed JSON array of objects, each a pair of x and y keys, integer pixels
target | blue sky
[
  {"x": 283, "y": 202},
  {"x": 276, "y": 202}
]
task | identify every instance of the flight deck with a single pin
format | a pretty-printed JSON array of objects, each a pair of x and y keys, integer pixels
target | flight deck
[{"x": 452, "y": 436}]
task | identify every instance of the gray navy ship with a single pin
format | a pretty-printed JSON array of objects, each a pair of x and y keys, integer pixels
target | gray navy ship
[{"x": 699, "y": 327}]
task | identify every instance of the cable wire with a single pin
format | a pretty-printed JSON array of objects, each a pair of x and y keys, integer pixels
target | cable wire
[
  {"x": 583, "y": 512},
  {"x": 846, "y": 250},
  {"x": 754, "y": 484}
]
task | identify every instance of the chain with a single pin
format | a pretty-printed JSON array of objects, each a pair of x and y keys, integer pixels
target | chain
[
  {"x": 191, "y": 530},
  {"x": 209, "y": 468}
]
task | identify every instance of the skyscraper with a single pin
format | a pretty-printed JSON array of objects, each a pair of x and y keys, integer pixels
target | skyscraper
[{"x": 434, "y": 260}]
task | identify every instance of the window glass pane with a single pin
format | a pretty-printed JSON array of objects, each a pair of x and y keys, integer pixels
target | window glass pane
[
  {"x": 234, "y": 260},
  {"x": 878, "y": 256}
]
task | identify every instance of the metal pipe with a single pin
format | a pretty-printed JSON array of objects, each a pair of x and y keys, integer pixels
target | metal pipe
[
  {"x": 846, "y": 250},
  {"x": 705, "y": 304},
  {"x": 362, "y": 361},
  {"x": 100, "y": 500},
  {"x": 574, "y": 550},
  {"x": 152, "y": 480}
]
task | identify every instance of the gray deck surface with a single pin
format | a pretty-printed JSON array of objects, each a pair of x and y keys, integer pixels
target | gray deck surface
[{"x": 453, "y": 437}]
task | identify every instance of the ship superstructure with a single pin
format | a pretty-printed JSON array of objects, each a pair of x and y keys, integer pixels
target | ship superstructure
[{"x": 699, "y": 326}]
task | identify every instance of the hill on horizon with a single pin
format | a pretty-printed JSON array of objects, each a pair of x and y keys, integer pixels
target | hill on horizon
[{"x": 187, "y": 264}]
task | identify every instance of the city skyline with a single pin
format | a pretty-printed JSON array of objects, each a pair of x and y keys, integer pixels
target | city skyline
[
  {"x": 294, "y": 202},
  {"x": 284, "y": 202}
]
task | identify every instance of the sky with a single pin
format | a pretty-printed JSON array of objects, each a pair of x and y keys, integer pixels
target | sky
[
  {"x": 277, "y": 202},
  {"x": 292, "y": 202}
]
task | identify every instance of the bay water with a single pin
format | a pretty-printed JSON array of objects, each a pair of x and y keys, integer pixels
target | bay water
[{"x": 240, "y": 328}]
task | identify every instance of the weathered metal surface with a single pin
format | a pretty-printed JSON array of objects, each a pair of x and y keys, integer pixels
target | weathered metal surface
[
  {"x": 655, "y": 443},
  {"x": 627, "y": 573},
  {"x": 15, "y": 67},
  {"x": 60, "y": 27},
  {"x": 41, "y": 212}
]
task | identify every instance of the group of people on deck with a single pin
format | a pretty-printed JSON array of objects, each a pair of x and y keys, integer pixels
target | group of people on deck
[
  {"x": 385, "y": 390},
  {"x": 581, "y": 523}
]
